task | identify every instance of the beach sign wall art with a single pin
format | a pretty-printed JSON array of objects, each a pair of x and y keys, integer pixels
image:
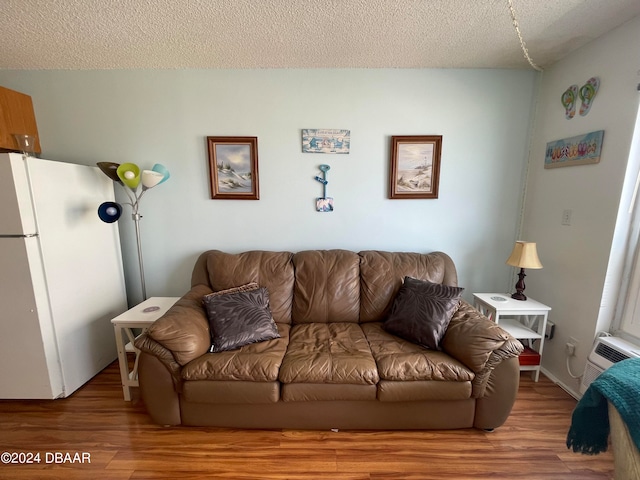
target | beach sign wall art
[{"x": 579, "y": 150}]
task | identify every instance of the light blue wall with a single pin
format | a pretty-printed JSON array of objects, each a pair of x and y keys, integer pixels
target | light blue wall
[{"x": 163, "y": 116}]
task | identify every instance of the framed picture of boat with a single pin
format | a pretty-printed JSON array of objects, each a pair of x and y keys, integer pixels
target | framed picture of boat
[
  {"x": 415, "y": 166},
  {"x": 233, "y": 168}
]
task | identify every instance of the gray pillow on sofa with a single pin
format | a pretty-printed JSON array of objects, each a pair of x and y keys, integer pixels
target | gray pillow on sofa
[
  {"x": 240, "y": 318},
  {"x": 421, "y": 312}
]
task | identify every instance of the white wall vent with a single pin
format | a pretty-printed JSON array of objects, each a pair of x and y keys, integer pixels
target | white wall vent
[{"x": 605, "y": 352}]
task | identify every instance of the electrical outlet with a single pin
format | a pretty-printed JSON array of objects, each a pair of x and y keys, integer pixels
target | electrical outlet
[
  {"x": 571, "y": 347},
  {"x": 550, "y": 330},
  {"x": 566, "y": 217}
]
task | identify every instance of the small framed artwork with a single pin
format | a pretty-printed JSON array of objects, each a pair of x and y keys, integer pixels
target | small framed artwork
[
  {"x": 415, "y": 166},
  {"x": 233, "y": 168}
]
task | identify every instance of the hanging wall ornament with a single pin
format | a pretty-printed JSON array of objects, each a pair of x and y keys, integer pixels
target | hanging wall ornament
[{"x": 324, "y": 203}]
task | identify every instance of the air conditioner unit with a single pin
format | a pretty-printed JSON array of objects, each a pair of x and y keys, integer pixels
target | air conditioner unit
[{"x": 606, "y": 351}]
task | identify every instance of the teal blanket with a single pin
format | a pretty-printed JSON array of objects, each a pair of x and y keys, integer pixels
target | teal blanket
[{"x": 620, "y": 384}]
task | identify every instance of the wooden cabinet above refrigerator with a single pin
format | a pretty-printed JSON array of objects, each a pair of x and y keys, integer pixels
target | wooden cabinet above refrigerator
[{"x": 16, "y": 116}]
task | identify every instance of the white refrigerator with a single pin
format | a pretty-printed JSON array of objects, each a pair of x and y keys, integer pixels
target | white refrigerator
[{"x": 61, "y": 277}]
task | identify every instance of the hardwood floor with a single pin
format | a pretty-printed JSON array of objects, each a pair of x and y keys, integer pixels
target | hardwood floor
[{"x": 123, "y": 444}]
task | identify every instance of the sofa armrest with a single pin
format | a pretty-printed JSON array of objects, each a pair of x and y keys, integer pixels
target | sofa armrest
[
  {"x": 147, "y": 345},
  {"x": 157, "y": 390},
  {"x": 494, "y": 407},
  {"x": 184, "y": 329},
  {"x": 511, "y": 349},
  {"x": 479, "y": 343},
  {"x": 160, "y": 381}
]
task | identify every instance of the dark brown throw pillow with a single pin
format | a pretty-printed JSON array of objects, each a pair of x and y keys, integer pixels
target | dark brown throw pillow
[
  {"x": 238, "y": 319},
  {"x": 421, "y": 312}
]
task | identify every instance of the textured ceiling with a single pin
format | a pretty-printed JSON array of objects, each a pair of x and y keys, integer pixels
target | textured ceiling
[{"x": 127, "y": 34}]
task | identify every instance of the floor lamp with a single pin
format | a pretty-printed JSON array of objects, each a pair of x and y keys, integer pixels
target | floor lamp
[{"x": 131, "y": 178}]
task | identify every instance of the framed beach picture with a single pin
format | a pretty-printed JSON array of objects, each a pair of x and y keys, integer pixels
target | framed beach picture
[
  {"x": 233, "y": 168},
  {"x": 415, "y": 166}
]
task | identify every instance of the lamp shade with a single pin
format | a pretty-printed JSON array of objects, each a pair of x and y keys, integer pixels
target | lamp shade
[
  {"x": 110, "y": 169},
  {"x": 524, "y": 255},
  {"x": 109, "y": 212},
  {"x": 129, "y": 173},
  {"x": 150, "y": 179},
  {"x": 161, "y": 169}
]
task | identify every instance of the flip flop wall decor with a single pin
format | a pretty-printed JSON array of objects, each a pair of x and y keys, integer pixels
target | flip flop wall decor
[
  {"x": 569, "y": 101},
  {"x": 587, "y": 93}
]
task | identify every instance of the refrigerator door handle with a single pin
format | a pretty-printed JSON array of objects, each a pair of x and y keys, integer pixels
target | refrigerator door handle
[{"x": 29, "y": 235}]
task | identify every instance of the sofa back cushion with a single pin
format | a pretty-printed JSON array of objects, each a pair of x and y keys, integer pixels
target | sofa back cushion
[
  {"x": 327, "y": 287},
  {"x": 273, "y": 270},
  {"x": 324, "y": 285},
  {"x": 381, "y": 275}
]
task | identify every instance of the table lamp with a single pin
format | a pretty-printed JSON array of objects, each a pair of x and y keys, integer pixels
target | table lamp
[{"x": 524, "y": 255}]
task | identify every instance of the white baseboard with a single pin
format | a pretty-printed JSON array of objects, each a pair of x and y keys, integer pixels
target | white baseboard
[{"x": 562, "y": 385}]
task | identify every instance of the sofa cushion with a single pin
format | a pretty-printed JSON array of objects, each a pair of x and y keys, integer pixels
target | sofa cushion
[
  {"x": 422, "y": 311},
  {"x": 327, "y": 287},
  {"x": 231, "y": 392},
  {"x": 237, "y": 319},
  {"x": 258, "y": 362},
  {"x": 327, "y": 392},
  {"x": 381, "y": 275},
  {"x": 401, "y": 360},
  {"x": 419, "y": 390},
  {"x": 273, "y": 270},
  {"x": 328, "y": 353}
]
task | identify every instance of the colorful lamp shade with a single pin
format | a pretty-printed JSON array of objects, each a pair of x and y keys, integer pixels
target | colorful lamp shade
[
  {"x": 129, "y": 173},
  {"x": 150, "y": 179},
  {"x": 109, "y": 212},
  {"x": 110, "y": 169},
  {"x": 161, "y": 169}
]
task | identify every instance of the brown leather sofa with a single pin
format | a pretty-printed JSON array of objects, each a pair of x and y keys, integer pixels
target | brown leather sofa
[{"x": 334, "y": 365}]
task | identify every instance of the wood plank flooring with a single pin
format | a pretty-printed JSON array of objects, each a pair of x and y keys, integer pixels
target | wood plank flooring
[{"x": 124, "y": 444}]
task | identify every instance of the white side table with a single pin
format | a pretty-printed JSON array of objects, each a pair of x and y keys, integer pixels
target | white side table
[
  {"x": 524, "y": 319},
  {"x": 140, "y": 316}
]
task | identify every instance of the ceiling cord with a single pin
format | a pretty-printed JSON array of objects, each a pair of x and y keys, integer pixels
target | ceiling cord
[{"x": 522, "y": 44}]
